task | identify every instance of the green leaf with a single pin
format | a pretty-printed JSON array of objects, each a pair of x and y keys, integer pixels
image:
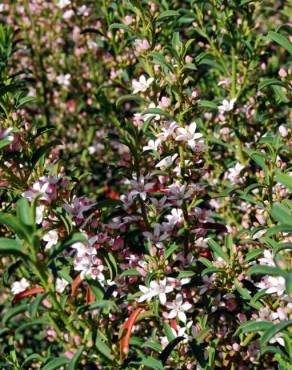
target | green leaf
[
  {"x": 284, "y": 179},
  {"x": 31, "y": 358},
  {"x": 102, "y": 304},
  {"x": 120, "y": 26},
  {"x": 11, "y": 247},
  {"x": 272, "y": 331},
  {"x": 218, "y": 250},
  {"x": 152, "y": 363},
  {"x": 73, "y": 365},
  {"x": 281, "y": 40},
  {"x": 130, "y": 272},
  {"x": 25, "y": 100},
  {"x": 212, "y": 270},
  {"x": 156, "y": 111},
  {"x": 169, "y": 334},
  {"x": 281, "y": 214},
  {"x": 167, "y": 14},
  {"x": 104, "y": 349},
  {"x": 253, "y": 254},
  {"x": 207, "y": 104},
  {"x": 56, "y": 363},
  {"x": 252, "y": 326},
  {"x": 185, "y": 274},
  {"x": 126, "y": 98},
  {"x": 170, "y": 250},
  {"x": 13, "y": 312},
  {"x": 24, "y": 212},
  {"x": 4, "y": 143},
  {"x": 159, "y": 57},
  {"x": 280, "y": 94},
  {"x": 269, "y": 82},
  {"x": 288, "y": 281},
  {"x": 13, "y": 223},
  {"x": 266, "y": 270}
]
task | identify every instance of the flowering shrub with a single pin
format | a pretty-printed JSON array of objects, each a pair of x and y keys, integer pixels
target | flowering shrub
[{"x": 145, "y": 185}]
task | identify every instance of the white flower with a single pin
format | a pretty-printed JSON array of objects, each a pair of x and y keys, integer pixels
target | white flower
[
  {"x": 176, "y": 217},
  {"x": 83, "y": 10},
  {"x": 64, "y": 79},
  {"x": 227, "y": 105},
  {"x": 78, "y": 206},
  {"x": 278, "y": 339},
  {"x": 157, "y": 236},
  {"x": 283, "y": 131},
  {"x": 267, "y": 259},
  {"x": 234, "y": 172},
  {"x": 68, "y": 14},
  {"x": 85, "y": 248},
  {"x": 168, "y": 131},
  {"x": 63, "y": 3},
  {"x": 188, "y": 135},
  {"x": 227, "y": 81},
  {"x": 178, "y": 192},
  {"x": 139, "y": 188},
  {"x": 61, "y": 285},
  {"x": 159, "y": 289},
  {"x": 142, "y": 84},
  {"x": 51, "y": 238},
  {"x": 19, "y": 286},
  {"x": 6, "y": 134},
  {"x": 39, "y": 214},
  {"x": 146, "y": 116},
  {"x": 273, "y": 284},
  {"x": 166, "y": 162},
  {"x": 152, "y": 145},
  {"x": 178, "y": 308}
]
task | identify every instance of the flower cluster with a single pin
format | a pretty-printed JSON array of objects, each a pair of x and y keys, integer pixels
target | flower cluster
[{"x": 145, "y": 216}]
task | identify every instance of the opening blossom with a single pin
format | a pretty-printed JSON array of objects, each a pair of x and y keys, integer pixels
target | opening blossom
[
  {"x": 142, "y": 84},
  {"x": 178, "y": 308},
  {"x": 61, "y": 285},
  {"x": 188, "y": 135},
  {"x": 159, "y": 289},
  {"x": 227, "y": 105},
  {"x": 51, "y": 237},
  {"x": 20, "y": 286}
]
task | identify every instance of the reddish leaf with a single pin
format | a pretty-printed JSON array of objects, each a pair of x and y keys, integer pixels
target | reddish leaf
[
  {"x": 127, "y": 329},
  {"x": 75, "y": 285},
  {"x": 28, "y": 292},
  {"x": 90, "y": 297}
]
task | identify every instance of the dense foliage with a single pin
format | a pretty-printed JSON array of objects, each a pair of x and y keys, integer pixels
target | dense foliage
[{"x": 145, "y": 177}]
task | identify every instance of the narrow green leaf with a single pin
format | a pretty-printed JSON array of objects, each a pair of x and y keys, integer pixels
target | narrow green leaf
[
  {"x": 152, "y": 363},
  {"x": 24, "y": 212},
  {"x": 269, "y": 82},
  {"x": 207, "y": 104},
  {"x": 272, "y": 331},
  {"x": 252, "y": 326},
  {"x": 167, "y": 14},
  {"x": 281, "y": 214},
  {"x": 281, "y": 40},
  {"x": 104, "y": 349},
  {"x": 73, "y": 365},
  {"x": 284, "y": 179},
  {"x": 218, "y": 250},
  {"x": 56, "y": 363}
]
